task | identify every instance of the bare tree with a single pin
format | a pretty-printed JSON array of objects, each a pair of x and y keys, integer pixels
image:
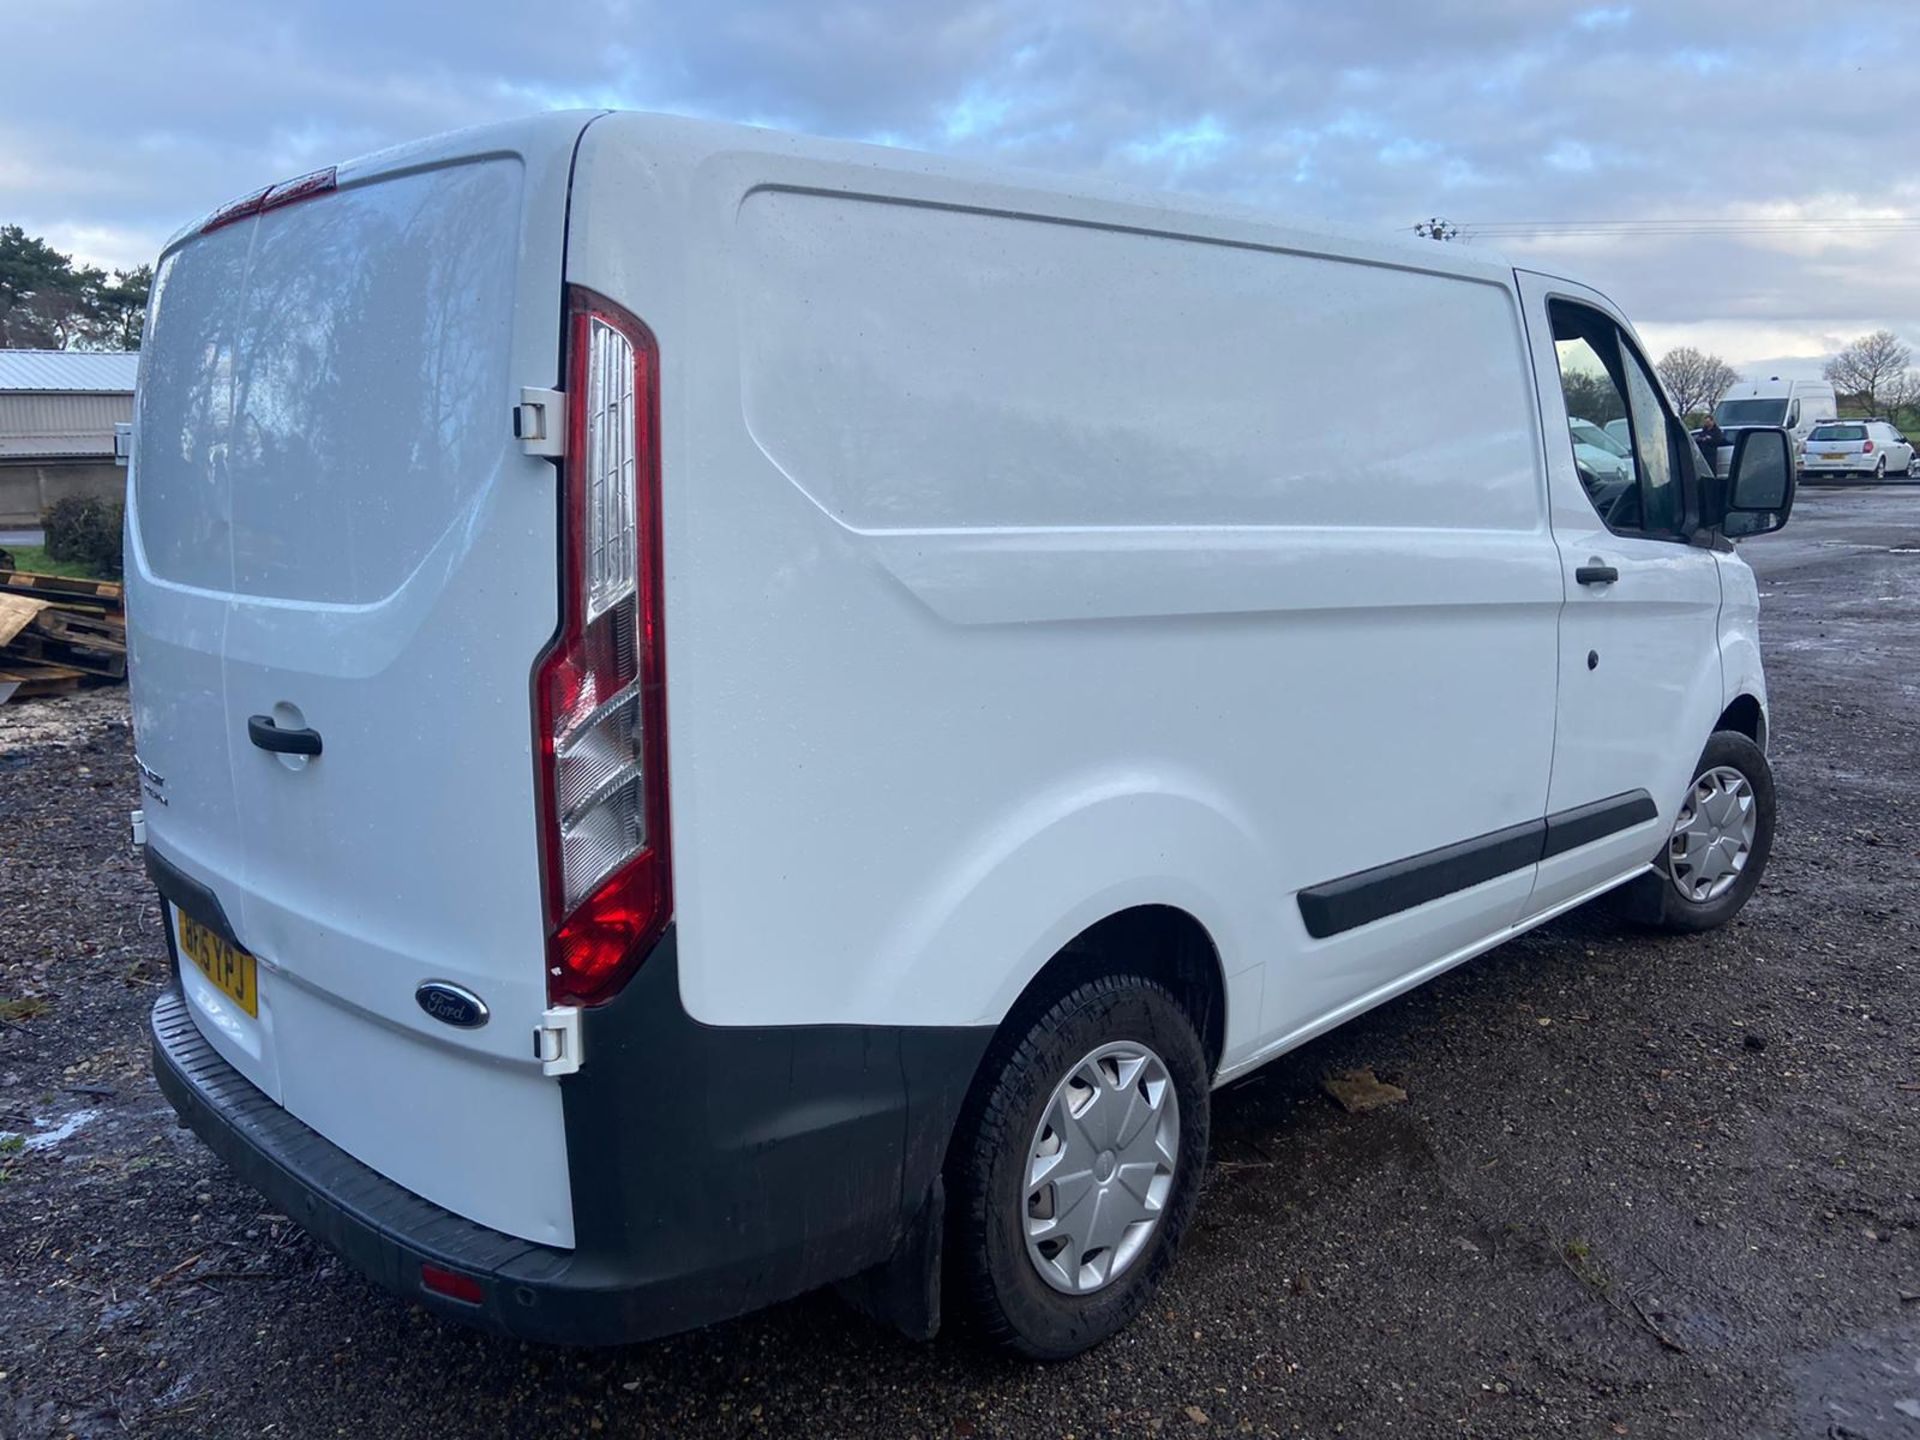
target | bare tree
[
  {"x": 1694, "y": 379},
  {"x": 1871, "y": 370},
  {"x": 1903, "y": 392}
]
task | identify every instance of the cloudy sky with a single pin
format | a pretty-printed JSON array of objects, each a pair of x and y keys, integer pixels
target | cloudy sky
[{"x": 1750, "y": 146}]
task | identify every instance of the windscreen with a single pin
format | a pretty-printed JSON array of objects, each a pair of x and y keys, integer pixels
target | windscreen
[
  {"x": 1751, "y": 412},
  {"x": 1838, "y": 432}
]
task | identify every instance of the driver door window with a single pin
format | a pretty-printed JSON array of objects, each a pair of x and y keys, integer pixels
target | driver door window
[{"x": 1633, "y": 486}]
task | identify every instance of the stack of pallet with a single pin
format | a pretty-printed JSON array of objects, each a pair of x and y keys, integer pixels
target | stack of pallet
[{"x": 57, "y": 634}]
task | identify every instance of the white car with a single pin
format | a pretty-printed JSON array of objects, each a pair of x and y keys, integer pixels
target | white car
[
  {"x": 1857, "y": 449},
  {"x": 721, "y": 713},
  {"x": 1607, "y": 457},
  {"x": 1604, "y": 463}
]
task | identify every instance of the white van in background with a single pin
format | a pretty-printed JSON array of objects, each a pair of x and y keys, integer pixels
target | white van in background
[
  {"x": 721, "y": 712},
  {"x": 1793, "y": 405}
]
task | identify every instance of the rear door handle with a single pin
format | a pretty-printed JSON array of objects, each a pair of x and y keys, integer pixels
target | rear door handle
[
  {"x": 269, "y": 736},
  {"x": 1596, "y": 574}
]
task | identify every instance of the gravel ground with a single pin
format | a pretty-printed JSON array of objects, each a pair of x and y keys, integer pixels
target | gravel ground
[{"x": 1640, "y": 1187}]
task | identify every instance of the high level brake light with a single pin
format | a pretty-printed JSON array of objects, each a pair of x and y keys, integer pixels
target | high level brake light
[
  {"x": 272, "y": 197},
  {"x": 599, "y": 695}
]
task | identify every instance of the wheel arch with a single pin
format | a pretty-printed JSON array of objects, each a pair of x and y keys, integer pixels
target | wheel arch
[
  {"x": 1746, "y": 715},
  {"x": 1163, "y": 943}
]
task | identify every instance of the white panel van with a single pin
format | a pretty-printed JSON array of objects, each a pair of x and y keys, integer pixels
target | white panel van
[
  {"x": 722, "y": 713},
  {"x": 1795, "y": 405}
]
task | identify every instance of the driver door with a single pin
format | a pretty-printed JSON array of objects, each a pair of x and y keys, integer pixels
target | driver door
[{"x": 1639, "y": 678}]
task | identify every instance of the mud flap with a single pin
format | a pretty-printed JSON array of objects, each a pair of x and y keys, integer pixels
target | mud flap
[{"x": 904, "y": 1290}]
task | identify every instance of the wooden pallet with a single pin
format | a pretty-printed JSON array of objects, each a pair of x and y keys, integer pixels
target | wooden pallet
[
  {"x": 31, "y": 681},
  {"x": 31, "y": 646},
  {"x": 73, "y": 627},
  {"x": 104, "y": 594},
  {"x": 51, "y": 641}
]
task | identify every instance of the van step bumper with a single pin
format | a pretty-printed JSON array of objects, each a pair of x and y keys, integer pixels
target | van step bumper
[
  {"x": 721, "y": 1206},
  {"x": 384, "y": 1231}
]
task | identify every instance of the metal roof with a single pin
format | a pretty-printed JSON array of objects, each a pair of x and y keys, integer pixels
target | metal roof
[{"x": 96, "y": 372}]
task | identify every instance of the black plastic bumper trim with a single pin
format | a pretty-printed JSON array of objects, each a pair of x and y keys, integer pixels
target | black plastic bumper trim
[
  {"x": 1336, "y": 906},
  {"x": 175, "y": 885},
  {"x": 713, "y": 1170}
]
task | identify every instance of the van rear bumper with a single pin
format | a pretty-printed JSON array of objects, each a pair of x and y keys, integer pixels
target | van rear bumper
[{"x": 714, "y": 1171}]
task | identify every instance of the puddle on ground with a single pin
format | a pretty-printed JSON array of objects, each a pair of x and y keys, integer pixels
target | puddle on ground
[
  {"x": 47, "y": 1133},
  {"x": 1863, "y": 1388}
]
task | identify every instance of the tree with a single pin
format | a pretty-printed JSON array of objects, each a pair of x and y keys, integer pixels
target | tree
[
  {"x": 120, "y": 309},
  {"x": 32, "y": 274},
  {"x": 1591, "y": 397},
  {"x": 47, "y": 302},
  {"x": 1871, "y": 371},
  {"x": 1903, "y": 392},
  {"x": 1695, "y": 379}
]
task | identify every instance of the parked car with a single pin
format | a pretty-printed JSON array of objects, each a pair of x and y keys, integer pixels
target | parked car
[
  {"x": 717, "y": 715},
  {"x": 1857, "y": 449},
  {"x": 1605, "y": 466}
]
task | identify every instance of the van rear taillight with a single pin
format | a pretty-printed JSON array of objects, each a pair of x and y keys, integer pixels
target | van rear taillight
[{"x": 599, "y": 697}]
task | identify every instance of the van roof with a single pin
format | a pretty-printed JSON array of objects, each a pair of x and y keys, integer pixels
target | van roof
[
  {"x": 1773, "y": 388},
  {"x": 685, "y": 144}
]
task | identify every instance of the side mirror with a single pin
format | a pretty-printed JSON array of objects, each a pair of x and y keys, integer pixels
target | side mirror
[{"x": 1760, "y": 482}]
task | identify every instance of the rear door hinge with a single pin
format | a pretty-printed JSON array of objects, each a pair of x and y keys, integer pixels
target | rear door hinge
[
  {"x": 540, "y": 421},
  {"x": 556, "y": 1041}
]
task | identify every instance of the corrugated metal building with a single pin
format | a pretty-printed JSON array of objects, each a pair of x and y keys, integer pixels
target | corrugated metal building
[{"x": 57, "y": 413}]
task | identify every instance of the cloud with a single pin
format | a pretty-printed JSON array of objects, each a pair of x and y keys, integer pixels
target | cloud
[
  {"x": 1604, "y": 17},
  {"x": 1371, "y": 112}
]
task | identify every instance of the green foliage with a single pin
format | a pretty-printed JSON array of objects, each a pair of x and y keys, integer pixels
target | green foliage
[
  {"x": 49, "y": 303},
  {"x": 85, "y": 532},
  {"x": 36, "y": 559}
]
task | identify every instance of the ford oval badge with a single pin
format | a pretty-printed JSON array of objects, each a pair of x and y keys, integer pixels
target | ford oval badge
[{"x": 452, "y": 1004}]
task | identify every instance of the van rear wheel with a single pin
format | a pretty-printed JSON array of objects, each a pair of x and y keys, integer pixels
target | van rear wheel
[
  {"x": 1080, "y": 1167},
  {"x": 1718, "y": 845}
]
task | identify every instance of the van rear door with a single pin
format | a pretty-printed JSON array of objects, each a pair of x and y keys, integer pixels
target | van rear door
[{"x": 334, "y": 530}]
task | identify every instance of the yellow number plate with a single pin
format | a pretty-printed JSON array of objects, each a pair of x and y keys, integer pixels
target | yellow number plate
[
  {"x": 1833, "y": 455},
  {"x": 231, "y": 969}
]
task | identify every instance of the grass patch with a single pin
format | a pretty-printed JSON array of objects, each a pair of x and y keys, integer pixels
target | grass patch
[
  {"x": 12, "y": 1144},
  {"x": 24, "y": 1008},
  {"x": 36, "y": 559}
]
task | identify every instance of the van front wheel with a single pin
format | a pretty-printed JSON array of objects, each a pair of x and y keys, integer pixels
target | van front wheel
[
  {"x": 1718, "y": 845},
  {"x": 1080, "y": 1168}
]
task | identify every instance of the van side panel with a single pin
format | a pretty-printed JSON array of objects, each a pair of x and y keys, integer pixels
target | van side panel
[{"x": 1025, "y": 562}]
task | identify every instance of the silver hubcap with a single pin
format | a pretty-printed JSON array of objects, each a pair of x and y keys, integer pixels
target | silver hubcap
[
  {"x": 1101, "y": 1167},
  {"x": 1713, "y": 835}
]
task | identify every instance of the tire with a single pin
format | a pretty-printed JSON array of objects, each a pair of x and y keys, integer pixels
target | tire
[
  {"x": 1679, "y": 899},
  {"x": 996, "y": 1272},
  {"x": 1880, "y": 472},
  {"x": 1913, "y": 459}
]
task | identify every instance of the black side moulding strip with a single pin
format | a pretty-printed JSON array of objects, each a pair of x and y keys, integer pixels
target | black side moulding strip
[{"x": 1336, "y": 906}]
